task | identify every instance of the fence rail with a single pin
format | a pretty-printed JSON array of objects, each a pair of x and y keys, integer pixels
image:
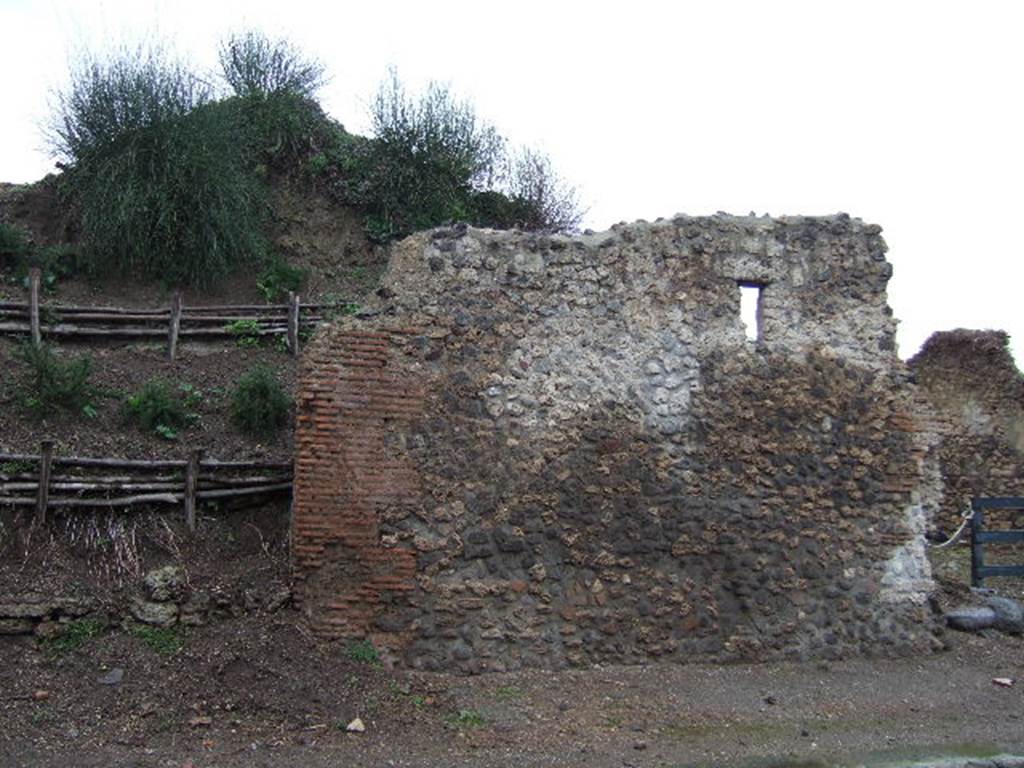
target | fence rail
[
  {"x": 45, "y": 481},
  {"x": 174, "y": 322},
  {"x": 980, "y": 537}
]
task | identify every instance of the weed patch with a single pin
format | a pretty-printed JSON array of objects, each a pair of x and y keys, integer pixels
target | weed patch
[
  {"x": 166, "y": 641},
  {"x": 245, "y": 331},
  {"x": 11, "y": 468},
  {"x": 74, "y": 635},
  {"x": 466, "y": 718},
  {"x": 363, "y": 652},
  {"x": 279, "y": 279}
]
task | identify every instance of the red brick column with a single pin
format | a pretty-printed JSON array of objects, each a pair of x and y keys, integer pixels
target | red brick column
[{"x": 351, "y": 396}]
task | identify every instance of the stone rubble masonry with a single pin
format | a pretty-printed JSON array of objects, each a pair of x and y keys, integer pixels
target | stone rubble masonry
[
  {"x": 541, "y": 451},
  {"x": 975, "y": 394}
]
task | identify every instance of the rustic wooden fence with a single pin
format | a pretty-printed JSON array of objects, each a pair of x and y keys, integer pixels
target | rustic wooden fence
[
  {"x": 45, "y": 481},
  {"x": 172, "y": 323}
]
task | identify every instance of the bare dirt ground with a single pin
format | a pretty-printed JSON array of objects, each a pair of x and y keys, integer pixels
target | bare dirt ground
[{"x": 259, "y": 692}]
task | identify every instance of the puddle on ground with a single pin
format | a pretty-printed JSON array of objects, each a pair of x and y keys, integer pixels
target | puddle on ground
[{"x": 902, "y": 757}]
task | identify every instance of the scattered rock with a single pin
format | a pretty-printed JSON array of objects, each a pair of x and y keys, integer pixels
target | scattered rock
[
  {"x": 278, "y": 599},
  {"x": 48, "y": 629},
  {"x": 163, "y": 584},
  {"x": 971, "y": 618},
  {"x": 1009, "y": 614},
  {"x": 16, "y": 626},
  {"x": 113, "y": 677},
  {"x": 356, "y": 726},
  {"x": 157, "y": 614},
  {"x": 26, "y": 607}
]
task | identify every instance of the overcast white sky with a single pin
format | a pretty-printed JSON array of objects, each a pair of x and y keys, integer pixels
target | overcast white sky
[{"x": 906, "y": 114}]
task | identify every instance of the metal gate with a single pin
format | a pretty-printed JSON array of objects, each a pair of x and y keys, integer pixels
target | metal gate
[{"x": 980, "y": 537}]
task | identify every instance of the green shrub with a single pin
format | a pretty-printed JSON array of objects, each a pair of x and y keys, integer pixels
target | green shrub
[
  {"x": 433, "y": 161},
  {"x": 430, "y": 153},
  {"x": 164, "y": 186},
  {"x": 540, "y": 199},
  {"x": 14, "y": 244},
  {"x": 255, "y": 65},
  {"x": 279, "y": 279},
  {"x": 55, "y": 262},
  {"x": 56, "y": 383},
  {"x": 259, "y": 406},
  {"x": 162, "y": 408}
]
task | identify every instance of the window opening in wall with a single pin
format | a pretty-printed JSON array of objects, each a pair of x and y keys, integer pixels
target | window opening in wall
[{"x": 751, "y": 294}]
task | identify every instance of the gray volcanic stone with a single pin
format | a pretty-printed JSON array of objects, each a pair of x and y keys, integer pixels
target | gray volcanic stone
[
  {"x": 16, "y": 626},
  {"x": 157, "y": 614},
  {"x": 163, "y": 584},
  {"x": 1009, "y": 614},
  {"x": 113, "y": 677},
  {"x": 971, "y": 618}
]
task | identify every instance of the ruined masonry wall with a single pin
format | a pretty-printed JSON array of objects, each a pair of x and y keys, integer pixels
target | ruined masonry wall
[
  {"x": 550, "y": 451},
  {"x": 975, "y": 396}
]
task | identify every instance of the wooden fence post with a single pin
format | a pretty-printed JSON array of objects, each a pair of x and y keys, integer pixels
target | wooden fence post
[
  {"x": 191, "y": 486},
  {"x": 293, "y": 323},
  {"x": 35, "y": 277},
  {"x": 43, "y": 497},
  {"x": 175, "y": 324}
]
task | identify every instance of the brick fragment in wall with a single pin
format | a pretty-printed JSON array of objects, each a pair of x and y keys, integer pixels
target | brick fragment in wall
[{"x": 564, "y": 450}]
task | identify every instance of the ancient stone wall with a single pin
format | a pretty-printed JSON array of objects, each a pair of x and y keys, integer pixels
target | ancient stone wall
[
  {"x": 976, "y": 394},
  {"x": 541, "y": 451}
]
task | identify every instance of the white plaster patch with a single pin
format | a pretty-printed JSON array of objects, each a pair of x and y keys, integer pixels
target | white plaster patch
[
  {"x": 908, "y": 574},
  {"x": 564, "y": 367}
]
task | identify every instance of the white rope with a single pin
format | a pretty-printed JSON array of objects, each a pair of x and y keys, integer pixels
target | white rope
[{"x": 959, "y": 531}]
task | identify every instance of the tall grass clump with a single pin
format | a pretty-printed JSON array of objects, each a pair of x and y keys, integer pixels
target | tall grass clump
[
  {"x": 259, "y": 406},
  {"x": 164, "y": 187},
  {"x": 254, "y": 65},
  {"x": 274, "y": 87}
]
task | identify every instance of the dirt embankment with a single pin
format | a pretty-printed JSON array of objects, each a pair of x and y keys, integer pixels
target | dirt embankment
[{"x": 307, "y": 230}]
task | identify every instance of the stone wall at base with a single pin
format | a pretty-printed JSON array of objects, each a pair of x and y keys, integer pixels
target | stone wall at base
[{"x": 550, "y": 451}]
